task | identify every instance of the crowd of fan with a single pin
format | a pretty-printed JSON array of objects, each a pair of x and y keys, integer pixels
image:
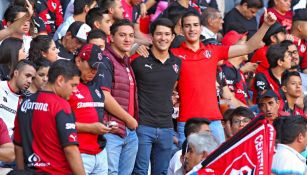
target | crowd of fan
[{"x": 132, "y": 87}]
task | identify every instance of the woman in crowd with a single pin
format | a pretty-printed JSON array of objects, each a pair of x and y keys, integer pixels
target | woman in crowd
[
  {"x": 41, "y": 77},
  {"x": 11, "y": 51},
  {"x": 43, "y": 46}
]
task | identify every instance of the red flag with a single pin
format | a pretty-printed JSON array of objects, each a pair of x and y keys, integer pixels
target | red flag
[{"x": 249, "y": 152}]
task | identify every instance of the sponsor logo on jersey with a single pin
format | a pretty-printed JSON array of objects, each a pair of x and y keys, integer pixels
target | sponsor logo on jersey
[
  {"x": 149, "y": 66},
  {"x": 90, "y": 105},
  {"x": 35, "y": 161},
  {"x": 70, "y": 126},
  {"x": 175, "y": 67},
  {"x": 72, "y": 137},
  {"x": 33, "y": 106},
  {"x": 207, "y": 54}
]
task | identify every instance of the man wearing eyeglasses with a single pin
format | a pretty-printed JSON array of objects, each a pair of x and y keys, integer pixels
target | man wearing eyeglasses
[{"x": 239, "y": 118}]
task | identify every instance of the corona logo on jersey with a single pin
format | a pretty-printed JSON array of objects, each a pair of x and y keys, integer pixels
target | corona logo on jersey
[{"x": 256, "y": 139}]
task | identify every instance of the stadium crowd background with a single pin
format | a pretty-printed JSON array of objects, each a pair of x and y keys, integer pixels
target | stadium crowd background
[{"x": 148, "y": 87}]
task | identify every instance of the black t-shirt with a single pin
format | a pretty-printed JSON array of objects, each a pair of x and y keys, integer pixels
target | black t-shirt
[
  {"x": 234, "y": 20},
  {"x": 44, "y": 125},
  {"x": 63, "y": 52},
  {"x": 155, "y": 83},
  {"x": 104, "y": 76}
]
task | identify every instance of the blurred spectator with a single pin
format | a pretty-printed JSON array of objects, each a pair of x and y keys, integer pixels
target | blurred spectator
[
  {"x": 230, "y": 4},
  {"x": 191, "y": 102},
  {"x": 87, "y": 103},
  {"x": 243, "y": 14},
  {"x": 299, "y": 34},
  {"x": 11, "y": 51},
  {"x": 14, "y": 13},
  {"x": 235, "y": 78},
  {"x": 132, "y": 9},
  {"x": 98, "y": 18},
  {"x": 199, "y": 146},
  {"x": 37, "y": 25},
  {"x": 48, "y": 113},
  {"x": 193, "y": 125},
  {"x": 114, "y": 7},
  {"x": 51, "y": 13},
  {"x": 283, "y": 12},
  {"x": 291, "y": 136},
  {"x": 41, "y": 76},
  {"x": 42, "y": 46},
  {"x": 276, "y": 34},
  {"x": 212, "y": 23},
  {"x": 204, "y": 4},
  {"x": 226, "y": 123},
  {"x": 75, "y": 36},
  {"x": 81, "y": 8},
  {"x": 268, "y": 104},
  {"x": 175, "y": 17},
  {"x": 291, "y": 87},
  {"x": 10, "y": 94},
  {"x": 3, "y": 6},
  {"x": 6, "y": 145},
  {"x": 280, "y": 60},
  {"x": 239, "y": 118},
  {"x": 156, "y": 77},
  {"x": 117, "y": 81},
  {"x": 98, "y": 38}
]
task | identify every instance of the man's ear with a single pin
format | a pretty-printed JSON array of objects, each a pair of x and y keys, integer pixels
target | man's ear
[
  {"x": 60, "y": 80},
  {"x": 283, "y": 88},
  {"x": 204, "y": 155}
]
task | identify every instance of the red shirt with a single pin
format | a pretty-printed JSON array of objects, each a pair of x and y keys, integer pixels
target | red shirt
[
  {"x": 87, "y": 103},
  {"x": 128, "y": 9},
  {"x": 4, "y": 136},
  {"x": 196, "y": 85},
  {"x": 285, "y": 20},
  {"x": 260, "y": 55}
]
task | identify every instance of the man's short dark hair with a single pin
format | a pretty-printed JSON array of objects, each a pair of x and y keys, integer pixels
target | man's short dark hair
[
  {"x": 287, "y": 75},
  {"x": 11, "y": 12},
  {"x": 95, "y": 34},
  {"x": 161, "y": 22},
  {"x": 188, "y": 14},
  {"x": 106, "y": 4},
  {"x": 80, "y": 4},
  {"x": 241, "y": 111},
  {"x": 276, "y": 52},
  {"x": 252, "y": 3},
  {"x": 95, "y": 14},
  {"x": 22, "y": 63},
  {"x": 193, "y": 125},
  {"x": 118, "y": 23},
  {"x": 65, "y": 68},
  {"x": 208, "y": 13},
  {"x": 289, "y": 127}
]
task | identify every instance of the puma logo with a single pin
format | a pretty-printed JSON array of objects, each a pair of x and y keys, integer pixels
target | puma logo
[{"x": 149, "y": 66}]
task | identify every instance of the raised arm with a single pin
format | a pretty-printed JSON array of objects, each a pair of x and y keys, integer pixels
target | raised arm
[{"x": 255, "y": 41}]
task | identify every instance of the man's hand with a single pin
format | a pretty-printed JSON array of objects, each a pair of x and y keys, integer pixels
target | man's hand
[
  {"x": 249, "y": 67},
  {"x": 143, "y": 9},
  {"x": 99, "y": 128},
  {"x": 142, "y": 50},
  {"x": 29, "y": 8},
  {"x": 131, "y": 123},
  {"x": 269, "y": 18}
]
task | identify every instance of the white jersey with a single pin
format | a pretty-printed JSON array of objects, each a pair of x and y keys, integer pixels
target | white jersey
[{"x": 9, "y": 102}]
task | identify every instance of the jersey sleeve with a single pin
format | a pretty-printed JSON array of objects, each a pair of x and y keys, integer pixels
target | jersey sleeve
[
  {"x": 4, "y": 134},
  {"x": 66, "y": 127},
  {"x": 104, "y": 77},
  {"x": 222, "y": 52}
]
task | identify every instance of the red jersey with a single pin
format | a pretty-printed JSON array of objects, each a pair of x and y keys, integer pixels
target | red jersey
[
  {"x": 87, "y": 103},
  {"x": 260, "y": 55},
  {"x": 44, "y": 126},
  {"x": 285, "y": 20},
  {"x": 196, "y": 85}
]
